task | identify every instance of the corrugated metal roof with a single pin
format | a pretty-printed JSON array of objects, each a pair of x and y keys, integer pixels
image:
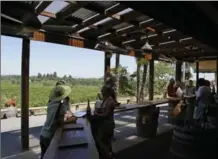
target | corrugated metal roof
[
  {"x": 106, "y": 21},
  {"x": 105, "y": 4},
  {"x": 121, "y": 25},
  {"x": 83, "y": 13}
]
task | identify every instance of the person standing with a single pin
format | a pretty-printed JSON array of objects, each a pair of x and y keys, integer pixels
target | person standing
[
  {"x": 189, "y": 92},
  {"x": 203, "y": 99},
  {"x": 102, "y": 124},
  {"x": 190, "y": 88},
  {"x": 171, "y": 91},
  {"x": 174, "y": 92},
  {"x": 55, "y": 115}
]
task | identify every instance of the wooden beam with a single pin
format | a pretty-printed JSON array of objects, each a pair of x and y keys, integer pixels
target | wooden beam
[
  {"x": 151, "y": 79},
  {"x": 129, "y": 32},
  {"x": 70, "y": 9},
  {"x": 155, "y": 39},
  {"x": 99, "y": 17},
  {"x": 25, "y": 94},
  {"x": 197, "y": 73},
  {"x": 64, "y": 40},
  {"x": 192, "y": 59},
  {"x": 82, "y": 43},
  {"x": 216, "y": 74},
  {"x": 146, "y": 54},
  {"x": 107, "y": 65},
  {"x": 192, "y": 53},
  {"x": 42, "y": 6},
  {"x": 140, "y": 26},
  {"x": 164, "y": 11},
  {"x": 95, "y": 7},
  {"x": 48, "y": 14},
  {"x": 117, "y": 66},
  {"x": 128, "y": 18},
  {"x": 178, "y": 71},
  {"x": 172, "y": 44}
]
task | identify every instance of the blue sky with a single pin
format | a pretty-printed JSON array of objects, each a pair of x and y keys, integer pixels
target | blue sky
[{"x": 48, "y": 57}]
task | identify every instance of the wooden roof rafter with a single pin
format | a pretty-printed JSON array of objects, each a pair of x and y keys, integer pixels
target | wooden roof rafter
[
  {"x": 98, "y": 17},
  {"x": 42, "y": 6},
  {"x": 186, "y": 17},
  {"x": 66, "y": 12},
  {"x": 103, "y": 21}
]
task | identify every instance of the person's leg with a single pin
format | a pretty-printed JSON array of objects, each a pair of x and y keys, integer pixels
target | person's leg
[
  {"x": 94, "y": 131},
  {"x": 105, "y": 144},
  {"x": 44, "y": 144}
]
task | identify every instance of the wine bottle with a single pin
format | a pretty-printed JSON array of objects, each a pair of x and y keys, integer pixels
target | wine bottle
[{"x": 88, "y": 109}]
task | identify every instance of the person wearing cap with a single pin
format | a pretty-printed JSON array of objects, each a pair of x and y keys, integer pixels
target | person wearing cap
[{"x": 55, "y": 115}]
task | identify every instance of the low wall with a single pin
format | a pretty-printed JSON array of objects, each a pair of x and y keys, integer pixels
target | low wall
[{"x": 136, "y": 147}]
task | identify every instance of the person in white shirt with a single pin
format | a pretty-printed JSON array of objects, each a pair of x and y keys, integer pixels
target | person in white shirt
[
  {"x": 203, "y": 99},
  {"x": 178, "y": 88}
]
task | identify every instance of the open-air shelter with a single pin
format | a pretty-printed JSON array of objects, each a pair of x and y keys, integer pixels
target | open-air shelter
[{"x": 176, "y": 31}]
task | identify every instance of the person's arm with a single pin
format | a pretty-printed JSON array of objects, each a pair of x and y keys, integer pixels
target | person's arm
[
  {"x": 66, "y": 117},
  {"x": 72, "y": 119}
]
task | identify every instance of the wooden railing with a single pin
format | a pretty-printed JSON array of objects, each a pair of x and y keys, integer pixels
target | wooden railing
[{"x": 42, "y": 110}]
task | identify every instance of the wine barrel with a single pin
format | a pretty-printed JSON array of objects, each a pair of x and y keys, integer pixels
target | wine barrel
[
  {"x": 147, "y": 121},
  {"x": 193, "y": 143}
]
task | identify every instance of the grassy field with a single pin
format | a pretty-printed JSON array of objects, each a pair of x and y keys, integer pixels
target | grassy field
[{"x": 39, "y": 93}]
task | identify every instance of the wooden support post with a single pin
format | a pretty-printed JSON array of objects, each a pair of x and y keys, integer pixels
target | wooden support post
[
  {"x": 183, "y": 71},
  {"x": 25, "y": 94},
  {"x": 197, "y": 73},
  {"x": 216, "y": 74},
  {"x": 107, "y": 65},
  {"x": 178, "y": 71},
  {"x": 147, "y": 121},
  {"x": 117, "y": 64},
  {"x": 151, "y": 79}
]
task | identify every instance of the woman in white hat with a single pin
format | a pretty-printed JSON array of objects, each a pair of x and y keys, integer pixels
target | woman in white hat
[{"x": 55, "y": 115}]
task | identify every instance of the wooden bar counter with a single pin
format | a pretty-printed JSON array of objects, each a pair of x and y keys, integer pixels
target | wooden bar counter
[
  {"x": 85, "y": 152},
  {"x": 59, "y": 150}
]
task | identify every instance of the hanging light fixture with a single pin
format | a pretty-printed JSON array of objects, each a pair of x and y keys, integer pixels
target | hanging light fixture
[{"x": 147, "y": 46}]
